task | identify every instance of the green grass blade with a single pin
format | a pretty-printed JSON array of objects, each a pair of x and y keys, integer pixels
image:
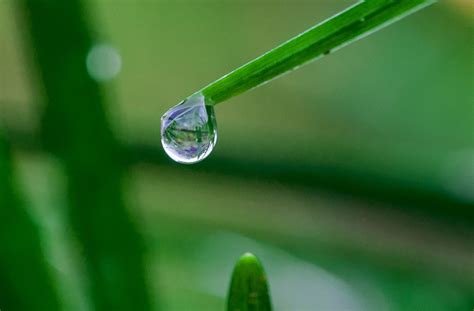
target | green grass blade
[
  {"x": 76, "y": 129},
  {"x": 248, "y": 289},
  {"x": 25, "y": 281},
  {"x": 354, "y": 23}
]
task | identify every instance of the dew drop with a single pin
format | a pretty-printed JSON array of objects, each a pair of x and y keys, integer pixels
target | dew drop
[{"x": 189, "y": 130}]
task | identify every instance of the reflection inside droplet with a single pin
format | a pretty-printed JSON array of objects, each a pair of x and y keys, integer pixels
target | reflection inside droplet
[
  {"x": 189, "y": 130},
  {"x": 103, "y": 62}
]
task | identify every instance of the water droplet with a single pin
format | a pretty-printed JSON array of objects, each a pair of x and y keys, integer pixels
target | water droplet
[{"x": 189, "y": 130}]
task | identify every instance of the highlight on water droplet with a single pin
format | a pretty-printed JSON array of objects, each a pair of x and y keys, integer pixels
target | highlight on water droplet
[{"x": 189, "y": 130}]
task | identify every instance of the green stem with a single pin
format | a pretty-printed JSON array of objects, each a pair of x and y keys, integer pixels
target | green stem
[
  {"x": 354, "y": 23},
  {"x": 248, "y": 289},
  {"x": 75, "y": 128}
]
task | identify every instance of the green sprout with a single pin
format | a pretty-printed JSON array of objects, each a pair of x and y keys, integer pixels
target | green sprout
[{"x": 248, "y": 289}]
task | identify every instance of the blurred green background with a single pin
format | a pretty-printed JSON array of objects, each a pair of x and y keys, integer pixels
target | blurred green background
[{"x": 351, "y": 178}]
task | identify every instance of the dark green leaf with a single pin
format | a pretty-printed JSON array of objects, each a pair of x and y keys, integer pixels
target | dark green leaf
[{"x": 25, "y": 282}]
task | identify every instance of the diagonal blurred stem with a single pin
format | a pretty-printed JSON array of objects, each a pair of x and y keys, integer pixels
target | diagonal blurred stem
[
  {"x": 357, "y": 21},
  {"x": 424, "y": 198},
  {"x": 25, "y": 283},
  {"x": 75, "y": 128}
]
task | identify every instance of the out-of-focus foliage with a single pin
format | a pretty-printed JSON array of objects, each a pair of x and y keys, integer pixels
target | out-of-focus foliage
[
  {"x": 364, "y": 196},
  {"x": 25, "y": 282},
  {"x": 74, "y": 128}
]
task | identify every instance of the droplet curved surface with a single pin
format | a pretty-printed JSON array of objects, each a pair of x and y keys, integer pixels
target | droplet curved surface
[{"x": 189, "y": 130}]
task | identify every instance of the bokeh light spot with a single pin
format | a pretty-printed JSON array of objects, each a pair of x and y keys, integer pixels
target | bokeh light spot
[{"x": 103, "y": 62}]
